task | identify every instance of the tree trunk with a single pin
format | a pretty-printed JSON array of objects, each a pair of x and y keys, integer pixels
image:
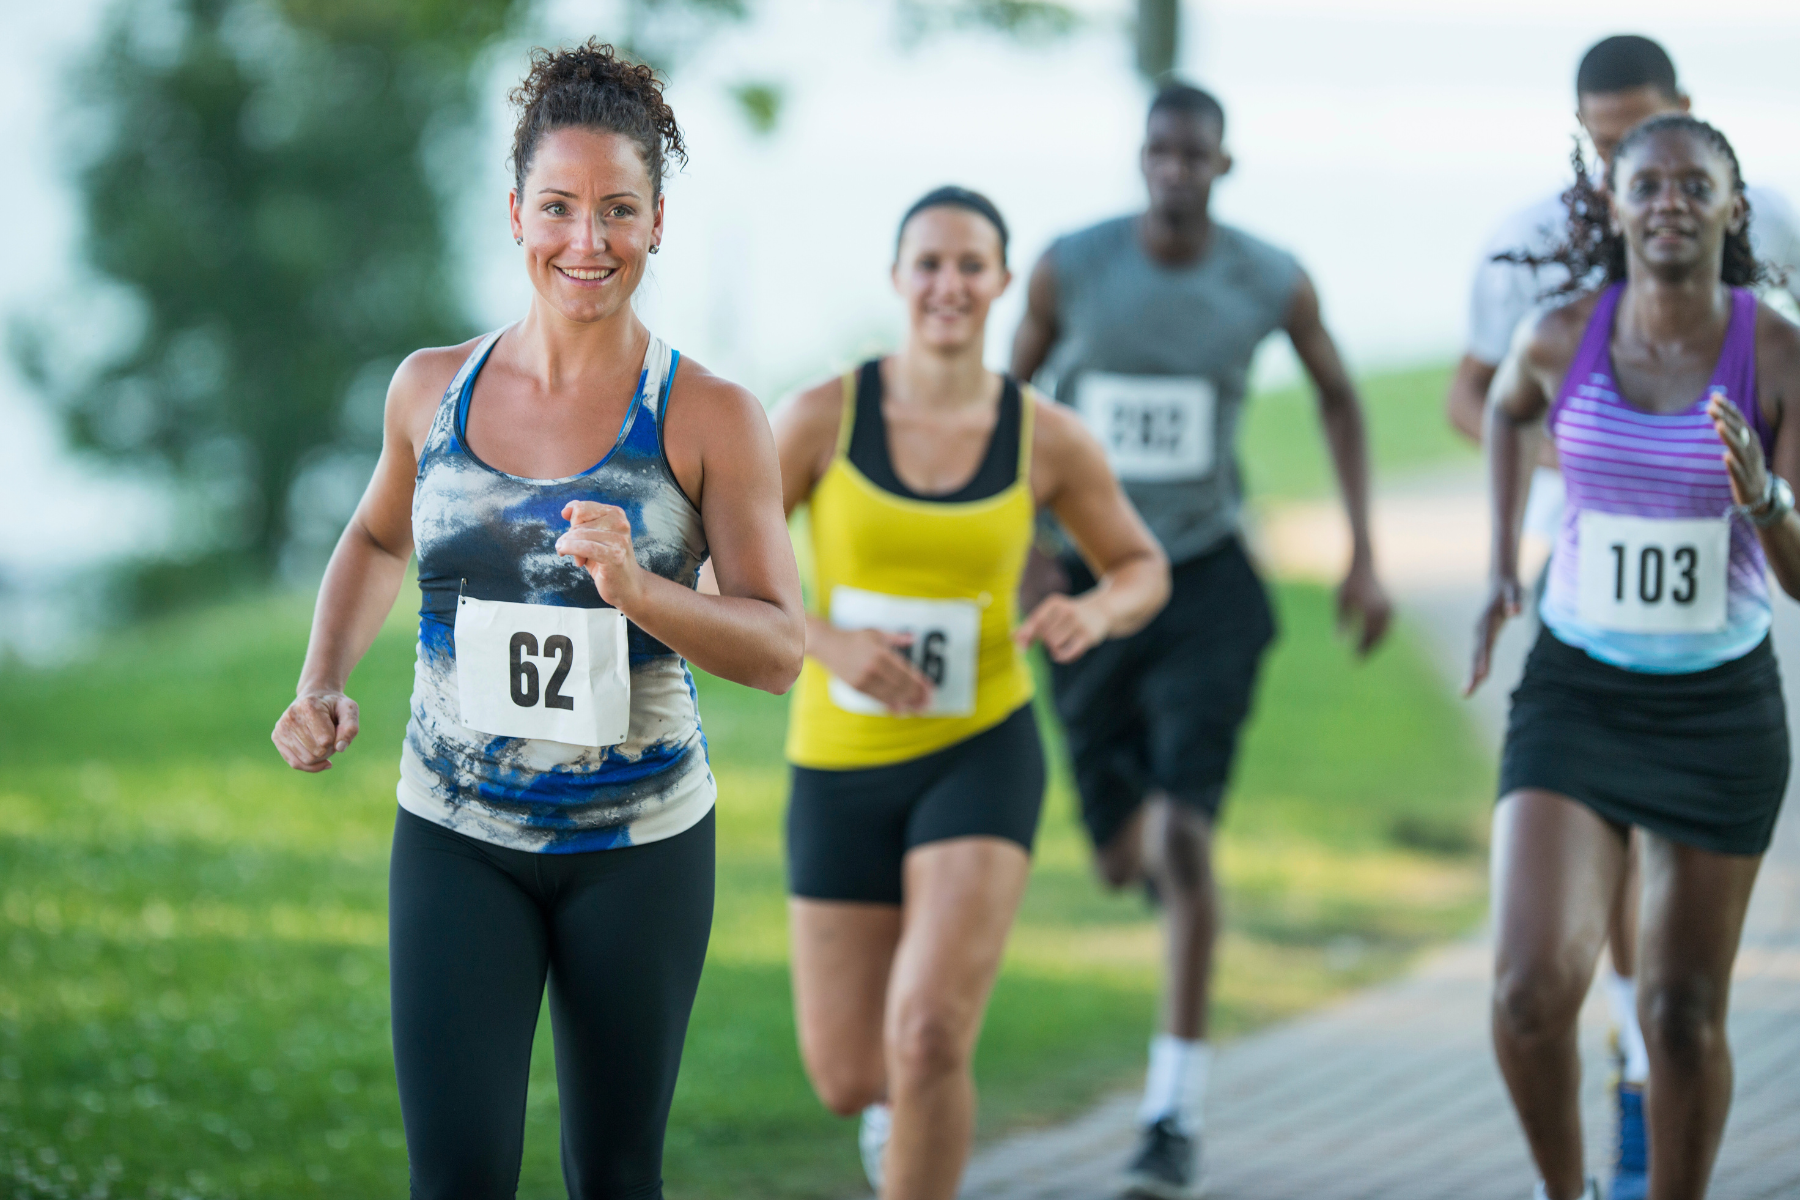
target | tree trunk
[{"x": 1158, "y": 37}]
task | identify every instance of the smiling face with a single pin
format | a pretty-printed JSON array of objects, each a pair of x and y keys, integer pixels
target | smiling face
[
  {"x": 1674, "y": 196},
  {"x": 1184, "y": 152},
  {"x": 589, "y": 215},
  {"x": 949, "y": 269}
]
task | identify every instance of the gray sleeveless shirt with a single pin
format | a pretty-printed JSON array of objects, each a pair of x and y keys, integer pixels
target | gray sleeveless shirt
[{"x": 1157, "y": 360}]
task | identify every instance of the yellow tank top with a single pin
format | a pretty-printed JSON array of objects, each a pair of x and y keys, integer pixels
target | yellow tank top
[{"x": 946, "y": 571}]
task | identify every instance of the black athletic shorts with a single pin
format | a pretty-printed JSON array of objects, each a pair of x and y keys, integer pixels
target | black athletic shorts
[
  {"x": 847, "y": 831},
  {"x": 1160, "y": 710},
  {"x": 1700, "y": 758}
]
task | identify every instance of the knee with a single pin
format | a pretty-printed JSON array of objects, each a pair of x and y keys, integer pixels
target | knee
[
  {"x": 927, "y": 1044},
  {"x": 845, "y": 1083},
  {"x": 1534, "y": 1004},
  {"x": 1116, "y": 870},
  {"x": 1180, "y": 853},
  {"x": 1684, "y": 1020},
  {"x": 847, "y": 1091},
  {"x": 466, "y": 1175},
  {"x": 1119, "y": 862}
]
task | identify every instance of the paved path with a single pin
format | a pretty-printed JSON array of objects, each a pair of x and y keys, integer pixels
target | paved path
[{"x": 1393, "y": 1094}]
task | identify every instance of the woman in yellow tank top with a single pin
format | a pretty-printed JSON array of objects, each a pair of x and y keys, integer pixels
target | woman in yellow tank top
[{"x": 917, "y": 773}]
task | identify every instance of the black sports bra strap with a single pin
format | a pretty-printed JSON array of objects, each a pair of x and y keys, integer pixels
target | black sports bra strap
[{"x": 869, "y": 453}]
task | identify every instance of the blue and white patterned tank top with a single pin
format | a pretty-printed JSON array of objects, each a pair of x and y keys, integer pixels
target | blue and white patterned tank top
[{"x": 493, "y": 536}]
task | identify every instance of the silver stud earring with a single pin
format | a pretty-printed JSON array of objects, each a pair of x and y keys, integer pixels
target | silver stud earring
[
  {"x": 655, "y": 248},
  {"x": 518, "y": 241}
]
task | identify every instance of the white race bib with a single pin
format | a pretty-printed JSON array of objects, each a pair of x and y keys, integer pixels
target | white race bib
[
  {"x": 1648, "y": 575},
  {"x": 1156, "y": 428},
  {"x": 945, "y": 648},
  {"x": 543, "y": 671}
]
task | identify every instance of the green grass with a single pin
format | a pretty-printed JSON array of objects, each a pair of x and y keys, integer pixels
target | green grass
[
  {"x": 192, "y": 938},
  {"x": 1283, "y": 451}
]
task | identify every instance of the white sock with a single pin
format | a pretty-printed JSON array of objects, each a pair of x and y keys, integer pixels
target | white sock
[
  {"x": 1621, "y": 997},
  {"x": 1591, "y": 1192},
  {"x": 1175, "y": 1085}
]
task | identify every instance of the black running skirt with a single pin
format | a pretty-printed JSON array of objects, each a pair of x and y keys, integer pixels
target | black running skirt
[{"x": 1701, "y": 758}]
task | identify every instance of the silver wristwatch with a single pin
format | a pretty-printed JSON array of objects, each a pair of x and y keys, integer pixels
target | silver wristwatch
[{"x": 1777, "y": 502}]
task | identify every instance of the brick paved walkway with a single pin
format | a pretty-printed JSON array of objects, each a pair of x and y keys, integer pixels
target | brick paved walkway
[{"x": 1394, "y": 1093}]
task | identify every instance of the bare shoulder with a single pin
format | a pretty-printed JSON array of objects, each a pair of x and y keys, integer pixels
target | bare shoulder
[
  {"x": 1062, "y": 447},
  {"x": 810, "y": 417},
  {"x": 1056, "y": 427},
  {"x": 1777, "y": 344},
  {"x": 419, "y": 385},
  {"x": 816, "y": 407},
  {"x": 1552, "y": 337},
  {"x": 699, "y": 395}
]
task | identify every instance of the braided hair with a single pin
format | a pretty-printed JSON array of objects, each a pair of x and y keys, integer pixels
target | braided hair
[
  {"x": 1593, "y": 252},
  {"x": 591, "y": 86}
]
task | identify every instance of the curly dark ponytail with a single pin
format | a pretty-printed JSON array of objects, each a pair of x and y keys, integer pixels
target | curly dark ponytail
[
  {"x": 1594, "y": 254},
  {"x": 591, "y": 87}
]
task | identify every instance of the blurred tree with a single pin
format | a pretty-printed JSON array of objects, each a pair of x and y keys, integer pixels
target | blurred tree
[
  {"x": 1021, "y": 18},
  {"x": 760, "y": 101},
  {"x": 1158, "y": 37},
  {"x": 261, "y": 189}
]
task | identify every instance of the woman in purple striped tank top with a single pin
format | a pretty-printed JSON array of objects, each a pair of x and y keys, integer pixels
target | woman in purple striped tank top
[{"x": 1652, "y": 699}]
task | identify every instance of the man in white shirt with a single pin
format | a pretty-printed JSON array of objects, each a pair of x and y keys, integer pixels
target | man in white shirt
[{"x": 1622, "y": 81}]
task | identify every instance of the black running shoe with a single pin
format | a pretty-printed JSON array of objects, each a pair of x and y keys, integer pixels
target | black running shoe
[{"x": 1167, "y": 1164}]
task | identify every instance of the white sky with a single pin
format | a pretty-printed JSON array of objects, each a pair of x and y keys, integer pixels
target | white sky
[{"x": 1378, "y": 139}]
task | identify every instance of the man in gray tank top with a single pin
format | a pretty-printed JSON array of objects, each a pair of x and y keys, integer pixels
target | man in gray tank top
[{"x": 1148, "y": 324}]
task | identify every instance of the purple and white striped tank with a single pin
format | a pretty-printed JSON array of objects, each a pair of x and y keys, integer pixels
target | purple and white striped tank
[{"x": 1668, "y": 582}]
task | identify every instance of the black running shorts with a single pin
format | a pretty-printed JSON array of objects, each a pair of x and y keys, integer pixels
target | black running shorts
[
  {"x": 848, "y": 831},
  {"x": 1701, "y": 759},
  {"x": 1160, "y": 710}
]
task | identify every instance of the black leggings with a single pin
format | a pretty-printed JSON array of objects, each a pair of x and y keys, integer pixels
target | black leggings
[{"x": 473, "y": 930}]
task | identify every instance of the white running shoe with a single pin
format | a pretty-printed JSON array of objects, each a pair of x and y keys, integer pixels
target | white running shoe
[
  {"x": 872, "y": 1140},
  {"x": 1592, "y": 1192}
]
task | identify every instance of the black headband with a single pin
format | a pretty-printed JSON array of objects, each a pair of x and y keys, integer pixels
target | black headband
[{"x": 952, "y": 196}]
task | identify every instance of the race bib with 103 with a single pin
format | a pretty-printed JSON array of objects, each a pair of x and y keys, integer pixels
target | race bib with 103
[
  {"x": 1650, "y": 575},
  {"x": 1156, "y": 428},
  {"x": 543, "y": 671},
  {"x": 946, "y": 645}
]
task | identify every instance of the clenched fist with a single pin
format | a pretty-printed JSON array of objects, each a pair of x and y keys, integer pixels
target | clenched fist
[
  {"x": 599, "y": 540},
  {"x": 314, "y": 727},
  {"x": 1069, "y": 626}
]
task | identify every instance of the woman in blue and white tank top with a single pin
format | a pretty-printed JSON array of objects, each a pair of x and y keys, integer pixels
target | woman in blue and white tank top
[
  {"x": 562, "y": 481},
  {"x": 1652, "y": 700}
]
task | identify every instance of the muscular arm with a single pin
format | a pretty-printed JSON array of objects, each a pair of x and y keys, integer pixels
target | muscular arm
[
  {"x": 1465, "y": 404},
  {"x": 1038, "y": 331},
  {"x": 366, "y": 570},
  {"x": 1778, "y": 387},
  {"x": 1069, "y": 476},
  {"x": 1341, "y": 415},
  {"x": 752, "y": 631},
  {"x": 1517, "y": 403}
]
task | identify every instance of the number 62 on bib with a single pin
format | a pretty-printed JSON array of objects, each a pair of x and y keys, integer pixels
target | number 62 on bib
[{"x": 543, "y": 671}]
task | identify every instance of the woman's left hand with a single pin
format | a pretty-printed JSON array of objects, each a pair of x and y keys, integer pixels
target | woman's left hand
[
  {"x": 1743, "y": 451},
  {"x": 1068, "y": 626},
  {"x": 599, "y": 540}
]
